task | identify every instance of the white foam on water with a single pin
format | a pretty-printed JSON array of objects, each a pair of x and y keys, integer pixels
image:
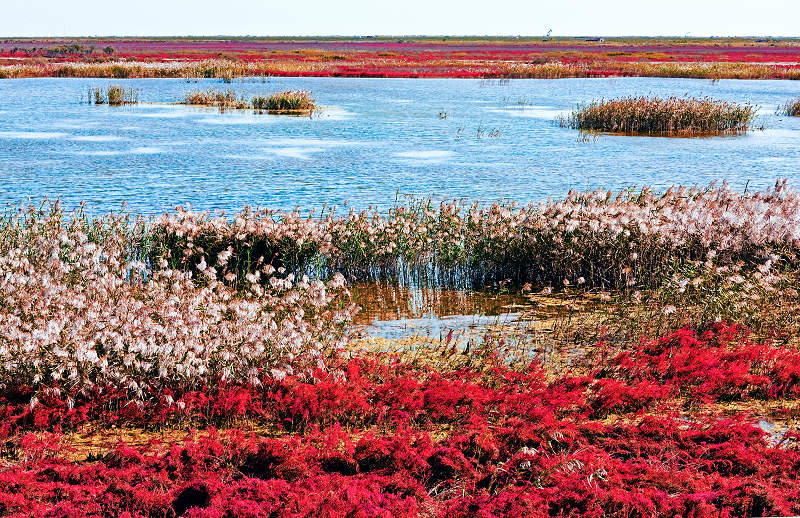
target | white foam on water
[
  {"x": 146, "y": 150},
  {"x": 333, "y": 113},
  {"x": 300, "y": 153},
  {"x": 533, "y": 112},
  {"x": 73, "y": 125},
  {"x": 235, "y": 119},
  {"x": 96, "y": 138},
  {"x": 31, "y": 135},
  {"x": 160, "y": 114}
]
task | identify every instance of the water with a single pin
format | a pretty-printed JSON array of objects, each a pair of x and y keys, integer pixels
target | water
[{"x": 373, "y": 140}]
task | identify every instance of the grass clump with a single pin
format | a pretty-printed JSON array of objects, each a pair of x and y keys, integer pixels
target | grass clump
[
  {"x": 114, "y": 95},
  {"x": 654, "y": 115},
  {"x": 791, "y": 108},
  {"x": 226, "y": 100},
  {"x": 288, "y": 101}
]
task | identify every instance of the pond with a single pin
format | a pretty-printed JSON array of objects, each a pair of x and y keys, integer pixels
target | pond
[{"x": 374, "y": 140}]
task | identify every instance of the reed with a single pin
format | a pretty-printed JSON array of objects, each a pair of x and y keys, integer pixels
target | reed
[
  {"x": 468, "y": 68},
  {"x": 631, "y": 241},
  {"x": 290, "y": 101},
  {"x": 791, "y": 108},
  {"x": 654, "y": 115},
  {"x": 287, "y": 101},
  {"x": 226, "y": 100},
  {"x": 114, "y": 95}
]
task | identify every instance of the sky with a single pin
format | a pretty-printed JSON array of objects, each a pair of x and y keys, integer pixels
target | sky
[{"x": 399, "y": 17}]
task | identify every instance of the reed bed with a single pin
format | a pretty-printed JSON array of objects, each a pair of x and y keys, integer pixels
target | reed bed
[
  {"x": 135, "y": 305},
  {"x": 627, "y": 241},
  {"x": 364, "y": 67},
  {"x": 289, "y": 101},
  {"x": 226, "y": 100},
  {"x": 113, "y": 95},
  {"x": 78, "y": 307},
  {"x": 654, "y": 115},
  {"x": 791, "y": 108}
]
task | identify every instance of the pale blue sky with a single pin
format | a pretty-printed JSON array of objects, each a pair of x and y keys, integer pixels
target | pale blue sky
[{"x": 363, "y": 17}]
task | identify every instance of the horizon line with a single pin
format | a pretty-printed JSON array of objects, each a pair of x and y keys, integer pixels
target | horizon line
[{"x": 392, "y": 36}]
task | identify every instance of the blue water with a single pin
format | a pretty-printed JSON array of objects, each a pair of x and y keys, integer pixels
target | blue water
[{"x": 374, "y": 139}]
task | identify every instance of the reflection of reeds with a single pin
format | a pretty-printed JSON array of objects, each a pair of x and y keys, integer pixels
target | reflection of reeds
[
  {"x": 791, "y": 108},
  {"x": 655, "y": 115},
  {"x": 114, "y": 95}
]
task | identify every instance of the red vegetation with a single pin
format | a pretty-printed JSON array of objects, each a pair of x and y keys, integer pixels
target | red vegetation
[
  {"x": 622, "y": 437},
  {"x": 417, "y": 58}
]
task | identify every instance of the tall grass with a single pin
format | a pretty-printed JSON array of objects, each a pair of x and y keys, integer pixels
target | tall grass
[
  {"x": 227, "y": 69},
  {"x": 791, "y": 108},
  {"x": 290, "y": 101},
  {"x": 674, "y": 115},
  {"x": 630, "y": 241},
  {"x": 223, "y": 100},
  {"x": 113, "y": 95}
]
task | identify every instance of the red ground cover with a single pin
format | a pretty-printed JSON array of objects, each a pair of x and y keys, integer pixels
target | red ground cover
[
  {"x": 624, "y": 437},
  {"x": 408, "y": 58},
  {"x": 517, "y": 50}
]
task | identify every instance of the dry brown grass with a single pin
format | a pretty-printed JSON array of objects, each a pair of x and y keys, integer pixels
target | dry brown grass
[
  {"x": 226, "y": 100},
  {"x": 792, "y": 108},
  {"x": 113, "y": 95},
  {"x": 290, "y": 101},
  {"x": 647, "y": 115},
  {"x": 287, "y": 101}
]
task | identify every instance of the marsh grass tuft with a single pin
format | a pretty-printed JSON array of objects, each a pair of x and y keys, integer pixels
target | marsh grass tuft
[
  {"x": 114, "y": 95},
  {"x": 226, "y": 100},
  {"x": 290, "y": 101},
  {"x": 287, "y": 101},
  {"x": 653, "y": 115},
  {"x": 791, "y": 108}
]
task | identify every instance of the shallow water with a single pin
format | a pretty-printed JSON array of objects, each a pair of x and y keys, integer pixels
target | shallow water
[
  {"x": 389, "y": 311},
  {"x": 374, "y": 139}
]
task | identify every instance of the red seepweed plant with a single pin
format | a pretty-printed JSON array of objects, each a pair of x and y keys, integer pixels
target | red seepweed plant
[{"x": 377, "y": 437}]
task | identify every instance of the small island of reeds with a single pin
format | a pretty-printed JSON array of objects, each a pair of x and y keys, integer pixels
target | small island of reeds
[
  {"x": 113, "y": 95},
  {"x": 689, "y": 116},
  {"x": 292, "y": 102},
  {"x": 791, "y": 108}
]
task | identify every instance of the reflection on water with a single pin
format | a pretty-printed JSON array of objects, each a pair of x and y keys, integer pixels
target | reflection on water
[
  {"x": 523, "y": 327},
  {"x": 386, "y": 301},
  {"x": 392, "y": 312}
]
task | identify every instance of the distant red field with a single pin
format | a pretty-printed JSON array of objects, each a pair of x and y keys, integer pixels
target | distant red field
[{"x": 427, "y": 57}]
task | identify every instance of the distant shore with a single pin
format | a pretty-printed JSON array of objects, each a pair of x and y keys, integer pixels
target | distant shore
[{"x": 461, "y": 57}]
